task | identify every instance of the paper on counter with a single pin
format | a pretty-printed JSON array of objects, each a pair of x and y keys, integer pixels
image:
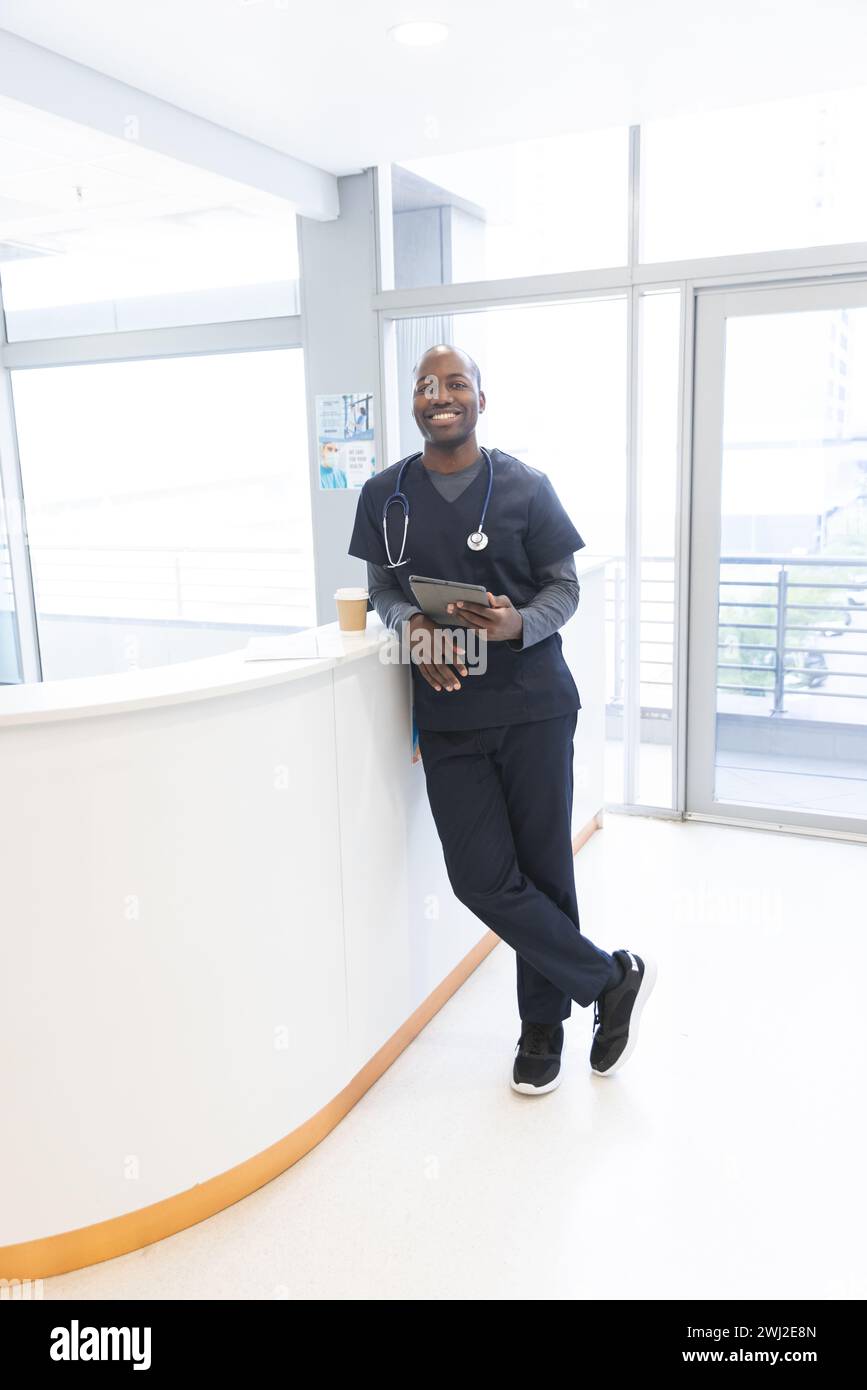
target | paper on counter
[{"x": 299, "y": 648}]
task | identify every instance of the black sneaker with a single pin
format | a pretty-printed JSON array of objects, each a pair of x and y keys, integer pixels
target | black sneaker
[
  {"x": 537, "y": 1059},
  {"x": 616, "y": 1013}
]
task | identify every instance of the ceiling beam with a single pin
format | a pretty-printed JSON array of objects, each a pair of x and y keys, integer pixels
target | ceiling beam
[{"x": 49, "y": 82}]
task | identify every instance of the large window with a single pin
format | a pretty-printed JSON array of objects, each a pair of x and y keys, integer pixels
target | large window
[
  {"x": 774, "y": 176},
  {"x": 531, "y": 208},
  {"x": 168, "y": 506},
  {"x": 781, "y": 175}
]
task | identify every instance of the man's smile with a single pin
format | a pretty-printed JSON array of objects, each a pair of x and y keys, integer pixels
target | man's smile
[{"x": 444, "y": 415}]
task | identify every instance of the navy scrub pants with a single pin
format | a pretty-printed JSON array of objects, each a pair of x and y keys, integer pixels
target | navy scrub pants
[{"x": 501, "y": 800}]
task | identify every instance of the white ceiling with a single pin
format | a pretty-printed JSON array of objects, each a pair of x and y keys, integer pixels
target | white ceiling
[{"x": 321, "y": 80}]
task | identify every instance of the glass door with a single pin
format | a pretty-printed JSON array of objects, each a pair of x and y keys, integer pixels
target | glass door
[{"x": 777, "y": 682}]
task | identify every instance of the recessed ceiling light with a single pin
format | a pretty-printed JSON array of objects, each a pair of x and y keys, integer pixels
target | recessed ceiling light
[{"x": 420, "y": 33}]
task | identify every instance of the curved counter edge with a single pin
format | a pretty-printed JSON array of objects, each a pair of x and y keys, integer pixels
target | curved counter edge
[{"x": 106, "y": 1240}]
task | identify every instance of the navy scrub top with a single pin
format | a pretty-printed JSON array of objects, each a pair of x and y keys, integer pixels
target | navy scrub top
[{"x": 527, "y": 527}]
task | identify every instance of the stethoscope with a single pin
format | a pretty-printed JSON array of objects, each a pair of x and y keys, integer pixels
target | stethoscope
[{"x": 476, "y": 540}]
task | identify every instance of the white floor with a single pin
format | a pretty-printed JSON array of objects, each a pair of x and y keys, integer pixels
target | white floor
[{"x": 726, "y": 1159}]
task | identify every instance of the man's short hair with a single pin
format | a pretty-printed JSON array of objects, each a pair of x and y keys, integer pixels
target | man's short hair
[{"x": 474, "y": 366}]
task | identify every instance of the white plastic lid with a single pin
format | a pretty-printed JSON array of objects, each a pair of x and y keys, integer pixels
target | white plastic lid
[{"x": 351, "y": 593}]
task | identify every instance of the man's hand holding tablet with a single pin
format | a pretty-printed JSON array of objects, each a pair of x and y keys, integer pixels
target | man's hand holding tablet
[
  {"x": 498, "y": 618},
  {"x": 469, "y": 605}
]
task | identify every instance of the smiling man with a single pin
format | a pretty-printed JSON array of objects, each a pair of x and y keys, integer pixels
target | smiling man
[{"x": 497, "y": 745}]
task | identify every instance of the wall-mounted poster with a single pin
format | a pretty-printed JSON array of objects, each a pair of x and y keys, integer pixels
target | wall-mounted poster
[{"x": 344, "y": 432}]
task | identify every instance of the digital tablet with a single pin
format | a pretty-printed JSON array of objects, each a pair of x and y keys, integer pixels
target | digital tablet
[{"x": 432, "y": 595}]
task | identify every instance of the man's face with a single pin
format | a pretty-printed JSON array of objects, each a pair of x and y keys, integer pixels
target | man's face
[{"x": 446, "y": 402}]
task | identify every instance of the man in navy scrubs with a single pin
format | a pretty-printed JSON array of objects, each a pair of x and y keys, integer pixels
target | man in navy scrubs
[{"x": 497, "y": 744}]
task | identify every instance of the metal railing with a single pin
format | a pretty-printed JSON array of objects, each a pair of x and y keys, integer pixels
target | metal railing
[{"x": 789, "y": 607}]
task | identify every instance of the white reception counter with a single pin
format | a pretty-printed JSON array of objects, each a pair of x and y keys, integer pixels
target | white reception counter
[{"x": 225, "y": 913}]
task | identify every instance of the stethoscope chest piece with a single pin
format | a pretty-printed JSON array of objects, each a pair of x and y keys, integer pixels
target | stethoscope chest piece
[{"x": 477, "y": 540}]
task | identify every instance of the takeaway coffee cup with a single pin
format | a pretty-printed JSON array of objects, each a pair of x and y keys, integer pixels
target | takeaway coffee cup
[{"x": 351, "y": 609}]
